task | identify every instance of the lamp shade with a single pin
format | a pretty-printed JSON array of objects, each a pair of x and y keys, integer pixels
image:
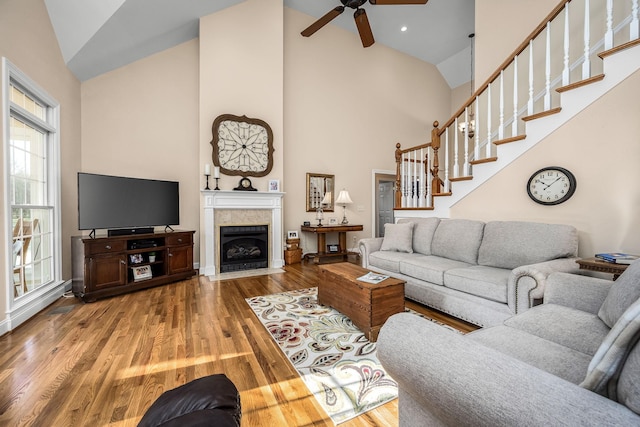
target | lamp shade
[
  {"x": 326, "y": 200},
  {"x": 343, "y": 198}
]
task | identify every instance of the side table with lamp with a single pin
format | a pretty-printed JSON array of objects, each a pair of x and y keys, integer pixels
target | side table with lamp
[{"x": 321, "y": 233}]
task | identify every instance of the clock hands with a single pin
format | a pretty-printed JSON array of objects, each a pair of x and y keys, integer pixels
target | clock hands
[{"x": 554, "y": 181}]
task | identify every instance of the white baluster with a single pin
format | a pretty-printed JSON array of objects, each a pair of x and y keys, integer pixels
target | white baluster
[
  {"x": 547, "y": 70},
  {"x": 634, "y": 27},
  {"x": 514, "y": 124},
  {"x": 416, "y": 179},
  {"x": 466, "y": 166},
  {"x": 429, "y": 177},
  {"x": 501, "y": 112},
  {"x": 565, "y": 68},
  {"x": 422, "y": 180},
  {"x": 586, "y": 65},
  {"x": 476, "y": 106},
  {"x": 530, "y": 103},
  {"x": 489, "y": 120},
  {"x": 476, "y": 147},
  {"x": 608, "y": 35},
  {"x": 446, "y": 160},
  {"x": 456, "y": 165},
  {"x": 403, "y": 183}
]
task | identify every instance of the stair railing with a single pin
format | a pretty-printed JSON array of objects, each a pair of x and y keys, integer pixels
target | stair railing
[{"x": 560, "y": 54}]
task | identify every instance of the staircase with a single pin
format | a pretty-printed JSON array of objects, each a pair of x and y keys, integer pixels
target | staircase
[{"x": 565, "y": 65}]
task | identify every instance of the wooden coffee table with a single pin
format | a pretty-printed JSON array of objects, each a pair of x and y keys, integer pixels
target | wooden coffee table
[{"x": 367, "y": 305}]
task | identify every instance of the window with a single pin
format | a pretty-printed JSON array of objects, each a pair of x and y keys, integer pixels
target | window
[{"x": 31, "y": 147}]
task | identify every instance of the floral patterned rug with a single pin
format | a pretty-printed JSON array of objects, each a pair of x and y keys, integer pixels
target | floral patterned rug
[{"x": 333, "y": 357}]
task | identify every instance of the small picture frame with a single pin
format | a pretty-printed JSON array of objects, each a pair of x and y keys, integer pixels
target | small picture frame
[
  {"x": 274, "y": 185},
  {"x": 135, "y": 258},
  {"x": 292, "y": 234},
  {"x": 306, "y": 224},
  {"x": 141, "y": 273},
  {"x": 333, "y": 221},
  {"x": 332, "y": 249}
]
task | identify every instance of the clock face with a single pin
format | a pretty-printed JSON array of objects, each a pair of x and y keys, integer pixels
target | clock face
[
  {"x": 242, "y": 146},
  {"x": 551, "y": 185}
]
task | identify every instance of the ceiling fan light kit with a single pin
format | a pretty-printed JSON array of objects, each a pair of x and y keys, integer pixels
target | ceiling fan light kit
[{"x": 359, "y": 15}]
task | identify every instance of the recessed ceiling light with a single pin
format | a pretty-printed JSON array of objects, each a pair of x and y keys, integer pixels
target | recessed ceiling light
[{"x": 404, "y": 28}]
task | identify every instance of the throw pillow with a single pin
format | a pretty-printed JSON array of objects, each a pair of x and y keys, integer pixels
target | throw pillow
[
  {"x": 602, "y": 374},
  {"x": 398, "y": 237},
  {"x": 623, "y": 292}
]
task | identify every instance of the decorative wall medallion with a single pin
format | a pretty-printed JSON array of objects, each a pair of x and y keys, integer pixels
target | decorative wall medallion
[{"x": 242, "y": 145}]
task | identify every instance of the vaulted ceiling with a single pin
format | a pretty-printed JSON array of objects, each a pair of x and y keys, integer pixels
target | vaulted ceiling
[{"x": 97, "y": 36}]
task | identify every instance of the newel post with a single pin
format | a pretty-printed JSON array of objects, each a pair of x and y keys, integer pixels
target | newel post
[
  {"x": 436, "y": 182},
  {"x": 398, "y": 192}
]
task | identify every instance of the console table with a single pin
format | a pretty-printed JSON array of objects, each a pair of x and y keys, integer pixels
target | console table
[
  {"x": 595, "y": 264},
  {"x": 321, "y": 232}
]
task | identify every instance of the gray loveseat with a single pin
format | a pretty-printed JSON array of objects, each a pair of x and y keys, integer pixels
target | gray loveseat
[
  {"x": 480, "y": 272},
  {"x": 572, "y": 361}
]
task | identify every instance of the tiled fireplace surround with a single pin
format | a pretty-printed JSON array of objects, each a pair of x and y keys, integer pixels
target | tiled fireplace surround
[{"x": 223, "y": 208}]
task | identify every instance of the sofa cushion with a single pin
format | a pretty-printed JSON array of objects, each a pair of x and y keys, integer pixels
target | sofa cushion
[
  {"x": 602, "y": 376},
  {"x": 398, "y": 237},
  {"x": 543, "y": 354},
  {"x": 575, "y": 329},
  {"x": 624, "y": 292},
  {"x": 479, "y": 280},
  {"x": 429, "y": 268},
  {"x": 389, "y": 260},
  {"x": 511, "y": 244},
  {"x": 423, "y": 230},
  {"x": 458, "y": 239}
]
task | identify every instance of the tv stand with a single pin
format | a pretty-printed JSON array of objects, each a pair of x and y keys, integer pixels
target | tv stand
[{"x": 113, "y": 265}]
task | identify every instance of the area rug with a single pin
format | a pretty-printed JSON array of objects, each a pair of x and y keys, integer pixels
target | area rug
[{"x": 333, "y": 357}]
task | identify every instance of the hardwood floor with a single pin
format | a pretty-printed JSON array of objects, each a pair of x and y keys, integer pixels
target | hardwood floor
[{"x": 104, "y": 363}]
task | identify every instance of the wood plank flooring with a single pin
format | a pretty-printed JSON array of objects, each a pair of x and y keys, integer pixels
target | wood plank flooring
[{"x": 104, "y": 363}]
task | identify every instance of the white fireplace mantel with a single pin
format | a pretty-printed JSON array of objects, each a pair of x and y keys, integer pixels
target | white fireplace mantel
[{"x": 244, "y": 200}]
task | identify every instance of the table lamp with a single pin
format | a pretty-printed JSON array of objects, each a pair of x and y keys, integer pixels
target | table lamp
[{"x": 344, "y": 199}]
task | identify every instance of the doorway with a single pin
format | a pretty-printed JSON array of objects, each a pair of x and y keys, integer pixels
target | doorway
[{"x": 384, "y": 184}]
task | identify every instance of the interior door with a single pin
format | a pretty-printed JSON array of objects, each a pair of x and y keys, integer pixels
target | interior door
[{"x": 384, "y": 204}]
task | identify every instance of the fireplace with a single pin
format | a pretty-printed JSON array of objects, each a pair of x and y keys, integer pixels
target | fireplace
[
  {"x": 231, "y": 208},
  {"x": 244, "y": 247}
]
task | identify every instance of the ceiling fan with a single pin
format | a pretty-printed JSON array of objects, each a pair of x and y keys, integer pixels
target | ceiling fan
[{"x": 360, "y": 16}]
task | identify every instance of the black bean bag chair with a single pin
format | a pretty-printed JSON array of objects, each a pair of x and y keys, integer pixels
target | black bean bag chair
[{"x": 204, "y": 402}]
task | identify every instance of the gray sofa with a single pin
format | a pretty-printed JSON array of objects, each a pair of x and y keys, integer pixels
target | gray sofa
[
  {"x": 572, "y": 361},
  {"x": 479, "y": 272}
]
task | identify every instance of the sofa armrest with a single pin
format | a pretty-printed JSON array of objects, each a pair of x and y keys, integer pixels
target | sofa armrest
[
  {"x": 367, "y": 247},
  {"x": 461, "y": 382},
  {"x": 527, "y": 282},
  {"x": 583, "y": 293}
]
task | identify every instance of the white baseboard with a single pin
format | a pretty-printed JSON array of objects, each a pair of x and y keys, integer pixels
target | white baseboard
[{"x": 32, "y": 305}]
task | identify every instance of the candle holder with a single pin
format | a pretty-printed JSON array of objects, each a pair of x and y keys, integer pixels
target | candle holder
[
  {"x": 217, "y": 188},
  {"x": 207, "y": 187}
]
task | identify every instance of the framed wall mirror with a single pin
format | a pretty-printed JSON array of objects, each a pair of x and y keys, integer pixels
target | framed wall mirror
[{"x": 320, "y": 186}]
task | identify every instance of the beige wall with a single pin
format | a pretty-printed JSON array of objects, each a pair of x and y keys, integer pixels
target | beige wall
[
  {"x": 495, "y": 19},
  {"x": 141, "y": 120},
  {"x": 602, "y": 156},
  {"x": 241, "y": 73},
  {"x": 346, "y": 107},
  {"x": 28, "y": 41}
]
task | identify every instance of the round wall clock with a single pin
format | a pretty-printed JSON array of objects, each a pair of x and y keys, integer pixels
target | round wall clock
[
  {"x": 242, "y": 145},
  {"x": 551, "y": 185}
]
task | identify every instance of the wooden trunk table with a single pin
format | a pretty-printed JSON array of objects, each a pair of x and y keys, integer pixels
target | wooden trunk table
[{"x": 367, "y": 305}]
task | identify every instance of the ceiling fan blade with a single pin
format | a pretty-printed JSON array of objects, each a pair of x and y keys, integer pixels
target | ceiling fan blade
[
  {"x": 364, "y": 29},
  {"x": 381, "y": 2},
  {"x": 328, "y": 17}
]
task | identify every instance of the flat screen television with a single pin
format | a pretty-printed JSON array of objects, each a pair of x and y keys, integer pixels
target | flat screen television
[{"x": 126, "y": 204}]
